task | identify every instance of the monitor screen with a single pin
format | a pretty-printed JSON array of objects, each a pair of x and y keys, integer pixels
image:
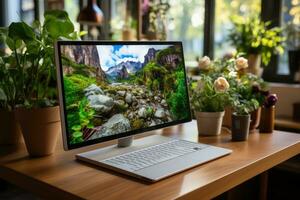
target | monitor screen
[{"x": 116, "y": 89}]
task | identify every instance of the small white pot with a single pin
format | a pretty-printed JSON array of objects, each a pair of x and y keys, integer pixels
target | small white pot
[{"x": 209, "y": 123}]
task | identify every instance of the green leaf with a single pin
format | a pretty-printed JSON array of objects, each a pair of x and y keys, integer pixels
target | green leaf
[
  {"x": 18, "y": 43},
  {"x": 36, "y": 24},
  {"x": 20, "y": 30},
  {"x": 33, "y": 48},
  {"x": 3, "y": 34},
  {"x": 3, "y": 96},
  {"x": 76, "y": 128},
  {"x": 10, "y": 43},
  {"x": 77, "y": 134},
  {"x": 58, "y": 24},
  {"x": 90, "y": 126},
  {"x": 58, "y": 28}
]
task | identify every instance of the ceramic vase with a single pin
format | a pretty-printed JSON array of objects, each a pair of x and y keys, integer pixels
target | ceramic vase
[
  {"x": 267, "y": 119},
  {"x": 240, "y": 127},
  {"x": 209, "y": 123}
]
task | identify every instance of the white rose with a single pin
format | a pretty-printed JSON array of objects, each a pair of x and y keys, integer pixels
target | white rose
[
  {"x": 221, "y": 84},
  {"x": 241, "y": 63},
  {"x": 204, "y": 62}
]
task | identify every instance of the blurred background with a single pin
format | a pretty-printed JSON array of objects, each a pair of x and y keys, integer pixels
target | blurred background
[{"x": 202, "y": 25}]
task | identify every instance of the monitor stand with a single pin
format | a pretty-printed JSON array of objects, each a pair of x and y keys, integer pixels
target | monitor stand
[{"x": 125, "y": 142}]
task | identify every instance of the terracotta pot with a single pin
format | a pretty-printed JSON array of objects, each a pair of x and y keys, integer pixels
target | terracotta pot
[
  {"x": 40, "y": 128},
  {"x": 209, "y": 123},
  {"x": 255, "y": 119},
  {"x": 254, "y": 61},
  {"x": 267, "y": 120},
  {"x": 240, "y": 127},
  {"x": 227, "y": 117},
  {"x": 10, "y": 132}
]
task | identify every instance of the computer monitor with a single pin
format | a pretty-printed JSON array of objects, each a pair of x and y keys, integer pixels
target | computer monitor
[{"x": 111, "y": 90}]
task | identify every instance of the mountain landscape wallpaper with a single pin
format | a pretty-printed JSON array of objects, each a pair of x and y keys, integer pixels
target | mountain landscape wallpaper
[{"x": 111, "y": 89}]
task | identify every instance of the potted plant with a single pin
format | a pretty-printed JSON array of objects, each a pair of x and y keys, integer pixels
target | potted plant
[
  {"x": 258, "y": 91},
  {"x": 234, "y": 70},
  {"x": 33, "y": 79},
  {"x": 9, "y": 97},
  {"x": 209, "y": 98},
  {"x": 243, "y": 104},
  {"x": 255, "y": 38}
]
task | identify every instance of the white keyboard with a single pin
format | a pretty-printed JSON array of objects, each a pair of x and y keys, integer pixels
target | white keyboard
[{"x": 140, "y": 159}]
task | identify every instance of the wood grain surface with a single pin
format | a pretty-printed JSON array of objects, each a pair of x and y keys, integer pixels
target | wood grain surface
[{"x": 60, "y": 176}]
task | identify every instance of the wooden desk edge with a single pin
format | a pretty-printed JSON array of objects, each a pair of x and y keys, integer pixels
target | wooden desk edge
[
  {"x": 229, "y": 181},
  {"x": 212, "y": 189},
  {"x": 40, "y": 188}
]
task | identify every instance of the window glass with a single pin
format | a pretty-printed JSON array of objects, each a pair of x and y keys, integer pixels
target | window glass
[
  {"x": 186, "y": 24},
  {"x": 72, "y": 8},
  {"x": 118, "y": 15},
  {"x": 290, "y": 20},
  {"x": 27, "y": 11},
  {"x": 224, "y": 9}
]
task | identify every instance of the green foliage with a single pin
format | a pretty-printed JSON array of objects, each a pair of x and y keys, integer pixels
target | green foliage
[
  {"x": 246, "y": 92},
  {"x": 257, "y": 87},
  {"x": 150, "y": 111},
  {"x": 157, "y": 77},
  {"x": 29, "y": 70},
  {"x": 80, "y": 115},
  {"x": 205, "y": 98},
  {"x": 253, "y": 36},
  {"x": 152, "y": 74},
  {"x": 177, "y": 100},
  {"x": 79, "y": 119},
  {"x": 74, "y": 86},
  {"x": 244, "y": 101}
]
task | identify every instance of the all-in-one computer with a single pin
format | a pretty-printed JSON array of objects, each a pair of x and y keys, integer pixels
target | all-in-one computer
[{"x": 114, "y": 90}]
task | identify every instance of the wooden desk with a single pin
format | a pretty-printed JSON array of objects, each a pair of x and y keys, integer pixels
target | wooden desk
[{"x": 60, "y": 176}]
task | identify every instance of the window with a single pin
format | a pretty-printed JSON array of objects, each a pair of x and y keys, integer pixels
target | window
[
  {"x": 27, "y": 11},
  {"x": 223, "y": 10},
  {"x": 186, "y": 23},
  {"x": 290, "y": 20},
  {"x": 72, "y": 8},
  {"x": 118, "y": 14}
]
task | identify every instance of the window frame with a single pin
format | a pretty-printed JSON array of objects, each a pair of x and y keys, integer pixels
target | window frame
[{"x": 269, "y": 12}]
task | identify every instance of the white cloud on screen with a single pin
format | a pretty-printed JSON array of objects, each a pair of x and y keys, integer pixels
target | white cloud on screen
[{"x": 110, "y": 57}]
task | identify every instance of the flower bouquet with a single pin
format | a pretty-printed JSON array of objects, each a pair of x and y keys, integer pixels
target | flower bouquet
[{"x": 209, "y": 98}]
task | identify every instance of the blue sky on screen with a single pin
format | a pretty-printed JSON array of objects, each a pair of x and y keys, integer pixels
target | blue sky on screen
[{"x": 111, "y": 55}]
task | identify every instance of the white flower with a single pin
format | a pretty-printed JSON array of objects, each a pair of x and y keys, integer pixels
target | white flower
[
  {"x": 221, "y": 84},
  {"x": 204, "y": 62},
  {"x": 232, "y": 74},
  {"x": 241, "y": 63}
]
